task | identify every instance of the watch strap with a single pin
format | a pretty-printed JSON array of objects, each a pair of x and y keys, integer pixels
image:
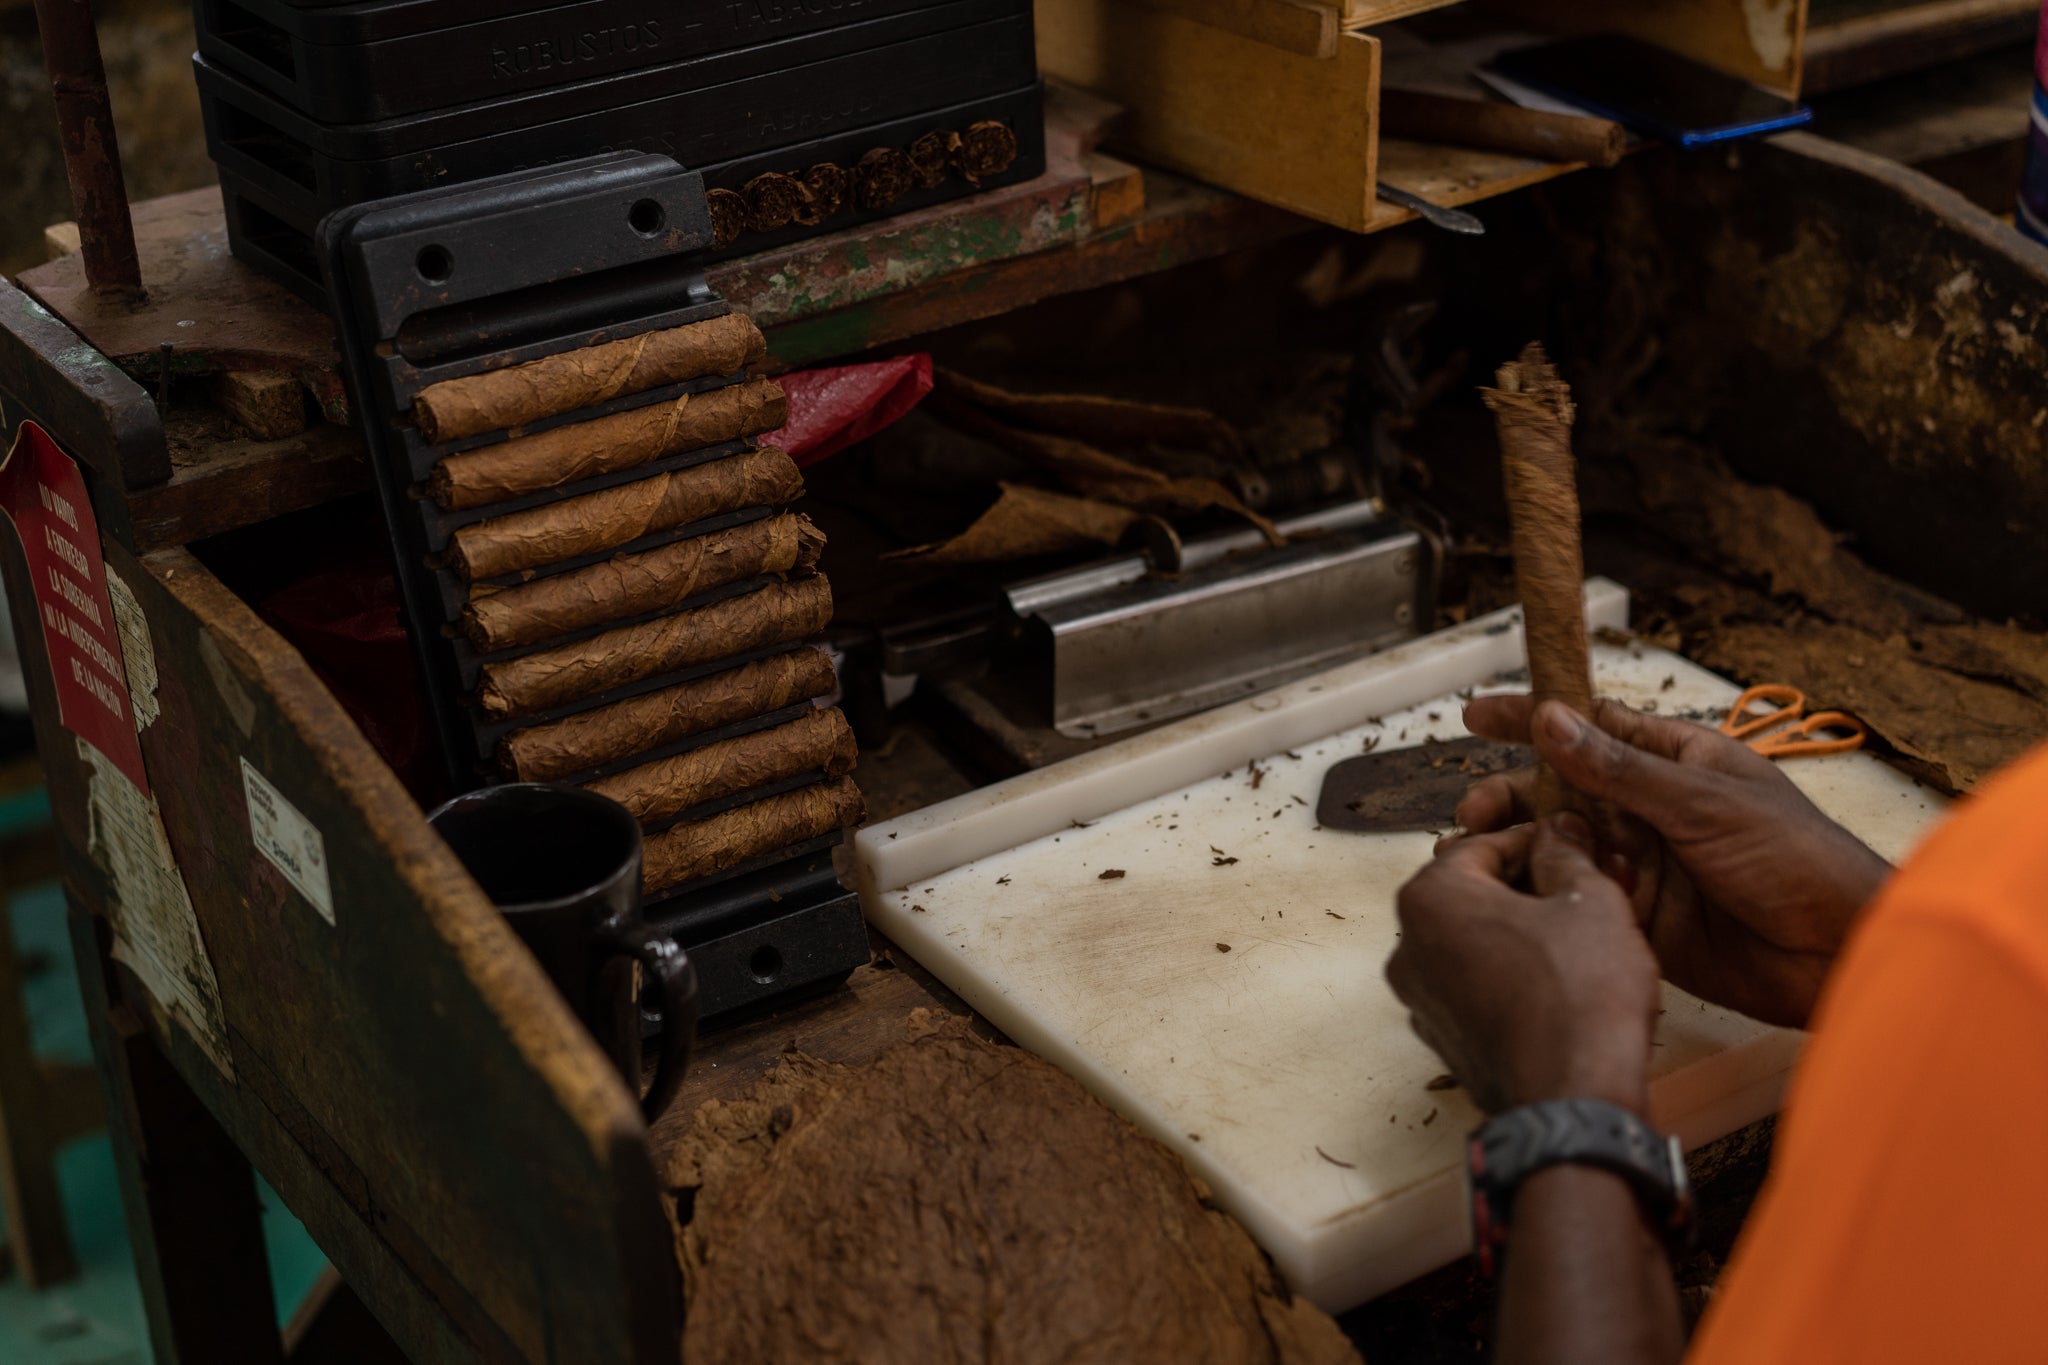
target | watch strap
[{"x": 1512, "y": 1146}]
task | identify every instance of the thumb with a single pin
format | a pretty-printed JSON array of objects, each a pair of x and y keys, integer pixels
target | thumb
[
  {"x": 1562, "y": 854},
  {"x": 1646, "y": 785}
]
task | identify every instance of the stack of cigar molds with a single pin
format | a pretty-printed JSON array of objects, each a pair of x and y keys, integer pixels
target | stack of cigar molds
[
  {"x": 604, "y": 581},
  {"x": 802, "y": 117}
]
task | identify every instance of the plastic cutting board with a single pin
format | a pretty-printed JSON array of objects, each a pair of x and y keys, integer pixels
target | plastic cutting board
[{"x": 1282, "y": 1070}]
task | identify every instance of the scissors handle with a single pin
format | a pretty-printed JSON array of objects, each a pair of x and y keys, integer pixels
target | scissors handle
[
  {"x": 1742, "y": 722},
  {"x": 1797, "y": 741}
]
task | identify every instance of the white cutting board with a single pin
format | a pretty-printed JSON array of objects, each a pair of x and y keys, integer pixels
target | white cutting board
[{"x": 1283, "y": 1070}]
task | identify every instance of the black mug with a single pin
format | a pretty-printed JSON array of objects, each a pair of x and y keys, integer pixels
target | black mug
[{"x": 563, "y": 866}]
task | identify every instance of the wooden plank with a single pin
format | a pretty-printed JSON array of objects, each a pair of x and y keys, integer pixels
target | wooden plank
[
  {"x": 1870, "y": 44},
  {"x": 1758, "y": 40},
  {"x": 1293, "y": 131},
  {"x": 1116, "y": 191},
  {"x": 269, "y": 404},
  {"x": 405, "y": 1076},
  {"x": 1453, "y": 176},
  {"x": 1302, "y": 26},
  {"x": 1182, "y": 222},
  {"x": 222, "y": 482},
  {"x": 1363, "y": 13}
]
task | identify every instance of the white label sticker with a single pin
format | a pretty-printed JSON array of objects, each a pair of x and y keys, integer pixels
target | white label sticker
[
  {"x": 289, "y": 840},
  {"x": 138, "y": 655},
  {"x": 155, "y": 930}
]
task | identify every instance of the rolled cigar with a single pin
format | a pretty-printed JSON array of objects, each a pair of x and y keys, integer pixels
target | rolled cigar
[
  {"x": 631, "y": 585},
  {"x": 777, "y": 614},
  {"x": 594, "y": 522},
  {"x": 455, "y": 408},
  {"x": 1501, "y": 127},
  {"x": 624, "y": 440},
  {"x": 591, "y": 739},
  {"x": 684, "y": 853},
  {"x": 820, "y": 741},
  {"x": 1532, "y": 410}
]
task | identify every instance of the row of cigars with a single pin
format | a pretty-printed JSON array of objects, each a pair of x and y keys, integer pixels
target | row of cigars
[{"x": 566, "y": 652}]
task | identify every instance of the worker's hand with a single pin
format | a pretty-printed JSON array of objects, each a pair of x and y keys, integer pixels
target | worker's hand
[
  {"x": 1744, "y": 888},
  {"x": 1528, "y": 997}
]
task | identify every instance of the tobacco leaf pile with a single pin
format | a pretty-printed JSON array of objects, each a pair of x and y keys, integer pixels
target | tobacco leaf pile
[{"x": 960, "y": 1200}]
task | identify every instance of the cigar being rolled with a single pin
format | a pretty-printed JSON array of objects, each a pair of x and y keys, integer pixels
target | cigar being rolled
[
  {"x": 591, "y": 739},
  {"x": 683, "y": 853},
  {"x": 632, "y": 585},
  {"x": 624, "y": 440},
  {"x": 820, "y": 741},
  {"x": 1533, "y": 412},
  {"x": 594, "y": 522},
  {"x": 555, "y": 384},
  {"x": 777, "y": 614}
]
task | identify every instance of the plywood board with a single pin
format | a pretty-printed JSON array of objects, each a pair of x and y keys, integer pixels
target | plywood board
[
  {"x": 1758, "y": 40},
  {"x": 1291, "y": 130}
]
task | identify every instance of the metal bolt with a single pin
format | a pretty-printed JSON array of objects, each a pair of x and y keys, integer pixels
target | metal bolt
[{"x": 1404, "y": 613}]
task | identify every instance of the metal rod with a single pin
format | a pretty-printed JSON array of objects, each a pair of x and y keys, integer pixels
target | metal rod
[{"x": 92, "y": 157}]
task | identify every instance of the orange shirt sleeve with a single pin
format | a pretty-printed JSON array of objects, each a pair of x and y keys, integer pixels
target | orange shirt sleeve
[{"x": 1906, "y": 1214}]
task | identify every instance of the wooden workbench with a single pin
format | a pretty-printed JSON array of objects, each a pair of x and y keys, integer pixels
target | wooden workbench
[{"x": 402, "y": 1075}]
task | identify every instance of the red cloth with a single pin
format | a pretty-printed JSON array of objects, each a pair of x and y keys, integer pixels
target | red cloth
[
  {"x": 831, "y": 408},
  {"x": 344, "y": 619}
]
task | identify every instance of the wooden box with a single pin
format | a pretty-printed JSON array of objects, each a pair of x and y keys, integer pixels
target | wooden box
[{"x": 1279, "y": 99}]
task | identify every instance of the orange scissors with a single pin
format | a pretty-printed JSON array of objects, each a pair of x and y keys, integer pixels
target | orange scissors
[{"x": 1787, "y": 731}]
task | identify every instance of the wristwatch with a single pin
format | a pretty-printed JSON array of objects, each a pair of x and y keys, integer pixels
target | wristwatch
[{"x": 1512, "y": 1146}]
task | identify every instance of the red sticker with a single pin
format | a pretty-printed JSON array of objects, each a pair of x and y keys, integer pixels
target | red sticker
[{"x": 44, "y": 498}]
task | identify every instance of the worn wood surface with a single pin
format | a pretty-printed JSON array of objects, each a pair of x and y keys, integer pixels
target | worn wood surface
[
  {"x": 268, "y": 404},
  {"x": 1758, "y": 40},
  {"x": 1301, "y": 26},
  {"x": 222, "y": 479},
  {"x": 208, "y": 309},
  {"x": 1858, "y": 43},
  {"x": 399, "y": 1048},
  {"x": 48, "y": 371}
]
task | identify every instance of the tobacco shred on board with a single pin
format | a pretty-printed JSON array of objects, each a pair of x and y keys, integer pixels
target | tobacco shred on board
[
  {"x": 1444, "y": 1082},
  {"x": 1223, "y": 947},
  {"x": 1221, "y": 862},
  {"x": 1347, "y": 1165},
  {"x": 1110, "y": 874},
  {"x": 1334, "y": 915}
]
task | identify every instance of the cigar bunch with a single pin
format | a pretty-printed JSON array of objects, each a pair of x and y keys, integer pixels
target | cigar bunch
[{"x": 644, "y": 635}]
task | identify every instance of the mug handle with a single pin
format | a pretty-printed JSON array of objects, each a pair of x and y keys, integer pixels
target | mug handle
[{"x": 670, "y": 968}]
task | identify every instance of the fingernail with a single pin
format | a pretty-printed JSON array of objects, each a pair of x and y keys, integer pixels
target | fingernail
[
  {"x": 1563, "y": 725},
  {"x": 1574, "y": 827}
]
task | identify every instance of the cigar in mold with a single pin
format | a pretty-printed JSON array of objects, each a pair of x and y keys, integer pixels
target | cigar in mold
[
  {"x": 818, "y": 742},
  {"x": 592, "y": 739},
  {"x": 592, "y": 523},
  {"x": 780, "y": 613},
  {"x": 634, "y": 584},
  {"x": 683, "y": 853},
  {"x": 624, "y": 440},
  {"x": 510, "y": 398}
]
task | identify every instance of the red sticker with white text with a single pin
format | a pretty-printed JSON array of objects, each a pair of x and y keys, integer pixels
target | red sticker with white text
[{"x": 44, "y": 498}]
